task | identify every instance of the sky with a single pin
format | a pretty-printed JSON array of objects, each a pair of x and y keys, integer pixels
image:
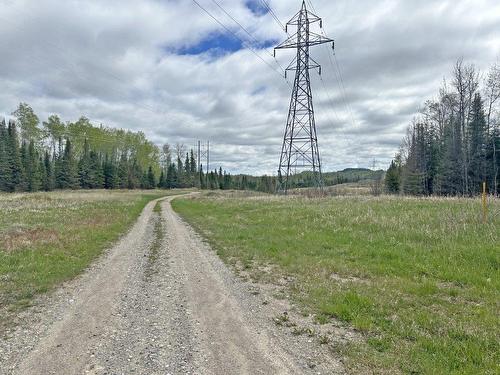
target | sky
[{"x": 167, "y": 68}]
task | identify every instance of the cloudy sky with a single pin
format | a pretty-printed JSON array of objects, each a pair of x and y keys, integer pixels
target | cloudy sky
[{"x": 167, "y": 68}]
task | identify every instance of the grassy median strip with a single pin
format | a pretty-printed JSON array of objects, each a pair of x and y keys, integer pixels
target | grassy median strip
[
  {"x": 49, "y": 238},
  {"x": 419, "y": 278}
]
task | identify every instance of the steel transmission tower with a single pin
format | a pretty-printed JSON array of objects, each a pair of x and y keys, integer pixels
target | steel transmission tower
[{"x": 300, "y": 144}]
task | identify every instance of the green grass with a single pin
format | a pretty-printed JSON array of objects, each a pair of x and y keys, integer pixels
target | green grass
[
  {"x": 155, "y": 246},
  {"x": 49, "y": 238},
  {"x": 418, "y": 278}
]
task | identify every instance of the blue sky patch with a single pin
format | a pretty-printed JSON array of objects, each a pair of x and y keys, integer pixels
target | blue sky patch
[
  {"x": 218, "y": 44},
  {"x": 256, "y": 7}
]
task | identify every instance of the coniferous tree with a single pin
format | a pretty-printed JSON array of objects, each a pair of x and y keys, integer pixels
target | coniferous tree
[
  {"x": 96, "y": 171},
  {"x": 136, "y": 177},
  {"x": 31, "y": 167},
  {"x": 413, "y": 175},
  {"x": 172, "y": 177},
  {"x": 227, "y": 181},
  {"x": 478, "y": 146},
  {"x": 4, "y": 166},
  {"x": 68, "y": 178},
  {"x": 123, "y": 172},
  {"x": 151, "y": 180},
  {"x": 161, "y": 181},
  {"x": 77, "y": 155},
  {"x": 193, "y": 163},
  {"x": 180, "y": 173},
  {"x": 15, "y": 171},
  {"x": 58, "y": 172},
  {"x": 187, "y": 172},
  {"x": 187, "y": 165},
  {"x": 84, "y": 169},
  {"x": 42, "y": 172},
  {"x": 220, "y": 179},
  {"x": 393, "y": 178},
  {"x": 48, "y": 182},
  {"x": 202, "y": 178},
  {"x": 109, "y": 172}
]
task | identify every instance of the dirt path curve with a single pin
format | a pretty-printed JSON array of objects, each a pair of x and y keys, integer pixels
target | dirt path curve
[{"x": 159, "y": 302}]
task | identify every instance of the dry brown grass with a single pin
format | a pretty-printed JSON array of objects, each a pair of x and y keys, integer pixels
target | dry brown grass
[{"x": 23, "y": 238}]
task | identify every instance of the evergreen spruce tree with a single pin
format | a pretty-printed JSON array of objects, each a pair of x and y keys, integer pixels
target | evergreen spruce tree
[
  {"x": 15, "y": 170},
  {"x": 31, "y": 167},
  {"x": 58, "y": 170},
  {"x": 220, "y": 179},
  {"x": 213, "y": 181},
  {"x": 84, "y": 168},
  {"x": 48, "y": 175},
  {"x": 202, "y": 179},
  {"x": 478, "y": 145},
  {"x": 496, "y": 160},
  {"x": 23, "y": 154},
  {"x": 180, "y": 173},
  {"x": 69, "y": 169},
  {"x": 227, "y": 181},
  {"x": 187, "y": 165},
  {"x": 392, "y": 179},
  {"x": 136, "y": 177},
  {"x": 162, "y": 181},
  {"x": 42, "y": 172},
  {"x": 151, "y": 180},
  {"x": 4, "y": 167},
  {"x": 193, "y": 163},
  {"x": 110, "y": 176},
  {"x": 171, "y": 179},
  {"x": 123, "y": 172},
  {"x": 188, "y": 177},
  {"x": 96, "y": 171},
  {"x": 244, "y": 182}
]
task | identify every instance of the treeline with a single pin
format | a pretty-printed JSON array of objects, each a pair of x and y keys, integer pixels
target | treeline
[
  {"x": 452, "y": 146},
  {"x": 72, "y": 155},
  {"x": 267, "y": 184},
  {"x": 65, "y": 155}
]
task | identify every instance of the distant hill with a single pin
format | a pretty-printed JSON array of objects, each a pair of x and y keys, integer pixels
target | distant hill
[
  {"x": 305, "y": 179},
  {"x": 350, "y": 175}
]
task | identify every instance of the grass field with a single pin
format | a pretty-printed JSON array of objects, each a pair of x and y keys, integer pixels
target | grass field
[
  {"x": 418, "y": 278},
  {"x": 48, "y": 238}
]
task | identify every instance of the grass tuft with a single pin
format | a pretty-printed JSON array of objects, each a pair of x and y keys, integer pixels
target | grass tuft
[
  {"x": 419, "y": 278},
  {"x": 49, "y": 238}
]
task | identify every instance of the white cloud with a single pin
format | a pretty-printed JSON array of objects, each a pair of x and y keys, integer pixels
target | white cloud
[{"x": 115, "y": 62}]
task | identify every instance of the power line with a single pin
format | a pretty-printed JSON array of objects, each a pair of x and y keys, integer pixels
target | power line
[
  {"x": 237, "y": 37},
  {"x": 311, "y": 5},
  {"x": 336, "y": 69},
  {"x": 247, "y": 32},
  {"x": 235, "y": 20},
  {"x": 273, "y": 14},
  {"x": 65, "y": 53}
]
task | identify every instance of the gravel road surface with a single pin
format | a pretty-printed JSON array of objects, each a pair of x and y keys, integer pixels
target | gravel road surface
[{"x": 159, "y": 302}]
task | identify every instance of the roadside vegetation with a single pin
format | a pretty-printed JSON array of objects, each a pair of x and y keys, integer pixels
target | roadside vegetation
[
  {"x": 452, "y": 145},
  {"x": 49, "y": 238},
  {"x": 417, "y": 278}
]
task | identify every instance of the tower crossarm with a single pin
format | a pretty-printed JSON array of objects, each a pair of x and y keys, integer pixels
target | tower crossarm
[
  {"x": 312, "y": 64},
  {"x": 311, "y": 17},
  {"x": 294, "y": 41}
]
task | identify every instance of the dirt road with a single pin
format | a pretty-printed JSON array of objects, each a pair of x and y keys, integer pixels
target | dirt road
[{"x": 159, "y": 302}]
